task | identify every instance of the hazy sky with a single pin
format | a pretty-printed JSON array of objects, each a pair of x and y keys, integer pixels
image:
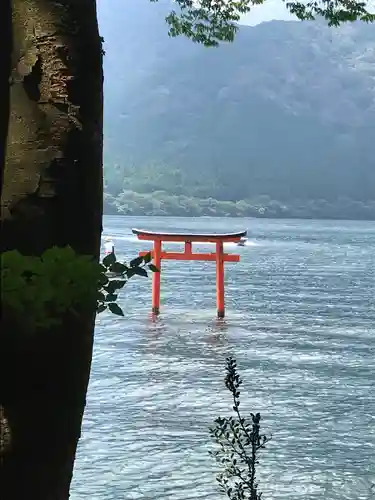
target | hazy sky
[
  {"x": 275, "y": 9},
  {"x": 272, "y": 9}
]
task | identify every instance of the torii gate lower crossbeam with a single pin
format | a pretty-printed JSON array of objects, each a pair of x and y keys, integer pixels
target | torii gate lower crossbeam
[{"x": 188, "y": 239}]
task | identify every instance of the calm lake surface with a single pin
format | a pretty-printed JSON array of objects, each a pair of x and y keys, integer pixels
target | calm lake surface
[{"x": 301, "y": 324}]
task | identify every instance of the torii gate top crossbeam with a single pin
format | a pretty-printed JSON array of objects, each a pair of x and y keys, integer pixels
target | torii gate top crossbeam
[{"x": 190, "y": 237}]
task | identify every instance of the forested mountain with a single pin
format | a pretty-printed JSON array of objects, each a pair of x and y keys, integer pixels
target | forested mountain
[{"x": 285, "y": 114}]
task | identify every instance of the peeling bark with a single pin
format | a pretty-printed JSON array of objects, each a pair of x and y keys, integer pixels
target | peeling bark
[
  {"x": 55, "y": 128},
  {"x": 5, "y": 67},
  {"x": 51, "y": 195}
]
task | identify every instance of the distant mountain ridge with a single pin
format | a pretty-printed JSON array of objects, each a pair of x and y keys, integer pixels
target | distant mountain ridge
[{"x": 286, "y": 111}]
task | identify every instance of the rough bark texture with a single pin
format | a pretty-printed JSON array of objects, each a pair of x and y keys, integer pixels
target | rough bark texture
[
  {"x": 52, "y": 179},
  {"x": 5, "y": 56},
  {"x": 51, "y": 195}
]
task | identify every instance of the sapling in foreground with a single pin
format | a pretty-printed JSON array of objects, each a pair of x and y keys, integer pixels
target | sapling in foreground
[{"x": 239, "y": 441}]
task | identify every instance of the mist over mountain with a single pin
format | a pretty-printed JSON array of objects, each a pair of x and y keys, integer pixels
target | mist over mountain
[{"x": 285, "y": 114}]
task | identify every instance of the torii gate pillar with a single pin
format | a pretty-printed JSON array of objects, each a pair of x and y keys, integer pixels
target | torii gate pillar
[
  {"x": 218, "y": 256},
  {"x": 220, "y": 302}
]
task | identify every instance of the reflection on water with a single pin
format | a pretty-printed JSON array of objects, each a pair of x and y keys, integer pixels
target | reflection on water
[{"x": 300, "y": 321}]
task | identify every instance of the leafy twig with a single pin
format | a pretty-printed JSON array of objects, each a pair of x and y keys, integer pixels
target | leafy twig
[{"x": 239, "y": 442}]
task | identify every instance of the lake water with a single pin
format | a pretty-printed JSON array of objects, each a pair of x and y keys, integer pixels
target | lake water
[{"x": 301, "y": 324}]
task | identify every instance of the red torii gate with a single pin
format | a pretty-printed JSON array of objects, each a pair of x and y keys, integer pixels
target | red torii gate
[{"x": 188, "y": 239}]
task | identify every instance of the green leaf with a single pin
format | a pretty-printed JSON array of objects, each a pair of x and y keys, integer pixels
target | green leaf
[
  {"x": 153, "y": 268},
  {"x": 38, "y": 290},
  {"x": 109, "y": 260},
  {"x": 140, "y": 271},
  {"x": 115, "y": 285},
  {"x": 115, "y": 309},
  {"x": 136, "y": 262},
  {"x": 101, "y": 308},
  {"x": 118, "y": 267},
  {"x": 131, "y": 272},
  {"x": 147, "y": 258},
  {"x": 103, "y": 279},
  {"x": 111, "y": 297}
]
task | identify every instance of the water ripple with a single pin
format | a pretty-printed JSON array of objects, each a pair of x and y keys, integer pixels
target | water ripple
[{"x": 300, "y": 321}]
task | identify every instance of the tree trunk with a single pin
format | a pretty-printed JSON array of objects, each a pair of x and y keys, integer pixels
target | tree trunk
[
  {"x": 5, "y": 55},
  {"x": 51, "y": 195}
]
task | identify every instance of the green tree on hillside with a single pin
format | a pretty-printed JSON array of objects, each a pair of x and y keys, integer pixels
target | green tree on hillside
[{"x": 51, "y": 195}]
